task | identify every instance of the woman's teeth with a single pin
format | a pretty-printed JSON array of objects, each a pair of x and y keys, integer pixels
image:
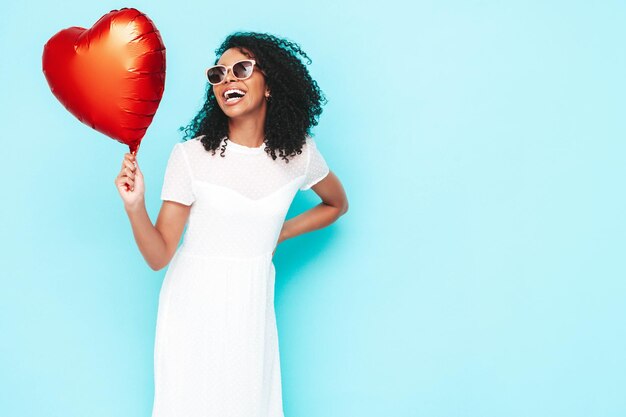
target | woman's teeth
[{"x": 233, "y": 92}]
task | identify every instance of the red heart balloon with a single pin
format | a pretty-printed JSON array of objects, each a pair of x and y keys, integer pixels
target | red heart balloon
[{"x": 112, "y": 76}]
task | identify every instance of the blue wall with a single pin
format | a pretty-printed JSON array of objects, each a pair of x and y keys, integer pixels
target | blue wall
[{"x": 479, "y": 272}]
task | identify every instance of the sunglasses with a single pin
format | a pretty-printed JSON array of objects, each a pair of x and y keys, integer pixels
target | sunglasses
[{"x": 241, "y": 70}]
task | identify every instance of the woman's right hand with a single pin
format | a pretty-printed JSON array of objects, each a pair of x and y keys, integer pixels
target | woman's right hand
[{"x": 129, "y": 181}]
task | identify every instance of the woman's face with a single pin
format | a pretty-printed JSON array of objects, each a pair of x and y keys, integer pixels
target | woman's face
[{"x": 254, "y": 87}]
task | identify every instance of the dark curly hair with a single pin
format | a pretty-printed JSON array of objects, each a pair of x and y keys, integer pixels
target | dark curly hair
[{"x": 293, "y": 107}]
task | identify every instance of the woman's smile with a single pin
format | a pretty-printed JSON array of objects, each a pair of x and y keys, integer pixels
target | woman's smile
[{"x": 233, "y": 96}]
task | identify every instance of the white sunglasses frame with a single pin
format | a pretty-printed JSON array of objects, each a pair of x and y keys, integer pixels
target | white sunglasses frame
[{"x": 230, "y": 67}]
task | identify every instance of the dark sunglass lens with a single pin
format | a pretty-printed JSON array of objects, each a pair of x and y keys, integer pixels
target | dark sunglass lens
[
  {"x": 215, "y": 74},
  {"x": 242, "y": 69}
]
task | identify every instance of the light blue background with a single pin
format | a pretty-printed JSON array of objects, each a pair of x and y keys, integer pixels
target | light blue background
[{"x": 479, "y": 272}]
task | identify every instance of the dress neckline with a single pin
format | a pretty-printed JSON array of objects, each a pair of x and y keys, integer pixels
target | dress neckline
[{"x": 242, "y": 148}]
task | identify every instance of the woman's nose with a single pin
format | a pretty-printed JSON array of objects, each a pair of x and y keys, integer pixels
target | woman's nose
[{"x": 229, "y": 76}]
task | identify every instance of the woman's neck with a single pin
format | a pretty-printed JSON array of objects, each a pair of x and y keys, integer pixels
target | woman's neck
[{"x": 246, "y": 132}]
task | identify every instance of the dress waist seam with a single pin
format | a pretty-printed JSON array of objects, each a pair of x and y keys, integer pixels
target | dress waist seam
[{"x": 182, "y": 252}]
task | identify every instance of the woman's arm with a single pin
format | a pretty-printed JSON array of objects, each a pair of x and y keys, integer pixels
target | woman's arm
[
  {"x": 156, "y": 243},
  {"x": 334, "y": 204}
]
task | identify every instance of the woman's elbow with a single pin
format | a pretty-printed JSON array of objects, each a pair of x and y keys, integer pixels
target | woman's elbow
[
  {"x": 163, "y": 259},
  {"x": 344, "y": 208},
  {"x": 157, "y": 266}
]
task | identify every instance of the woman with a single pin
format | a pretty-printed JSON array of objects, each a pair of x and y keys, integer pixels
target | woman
[{"x": 216, "y": 346}]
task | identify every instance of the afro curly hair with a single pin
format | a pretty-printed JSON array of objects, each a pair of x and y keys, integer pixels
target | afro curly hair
[{"x": 292, "y": 109}]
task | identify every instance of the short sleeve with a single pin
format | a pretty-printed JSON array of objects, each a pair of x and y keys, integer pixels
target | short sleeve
[
  {"x": 317, "y": 169},
  {"x": 178, "y": 178}
]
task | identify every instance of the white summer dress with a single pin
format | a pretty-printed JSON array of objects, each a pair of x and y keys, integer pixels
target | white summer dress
[{"x": 216, "y": 344}]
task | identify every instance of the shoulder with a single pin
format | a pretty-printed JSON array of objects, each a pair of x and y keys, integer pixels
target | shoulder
[
  {"x": 306, "y": 149},
  {"x": 310, "y": 148},
  {"x": 310, "y": 145},
  {"x": 190, "y": 149},
  {"x": 185, "y": 152},
  {"x": 309, "y": 142},
  {"x": 191, "y": 145}
]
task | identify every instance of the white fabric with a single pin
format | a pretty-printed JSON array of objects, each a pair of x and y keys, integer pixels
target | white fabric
[{"x": 216, "y": 346}]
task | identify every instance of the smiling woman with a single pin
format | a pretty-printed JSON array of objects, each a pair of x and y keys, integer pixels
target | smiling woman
[
  {"x": 276, "y": 87},
  {"x": 216, "y": 346}
]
